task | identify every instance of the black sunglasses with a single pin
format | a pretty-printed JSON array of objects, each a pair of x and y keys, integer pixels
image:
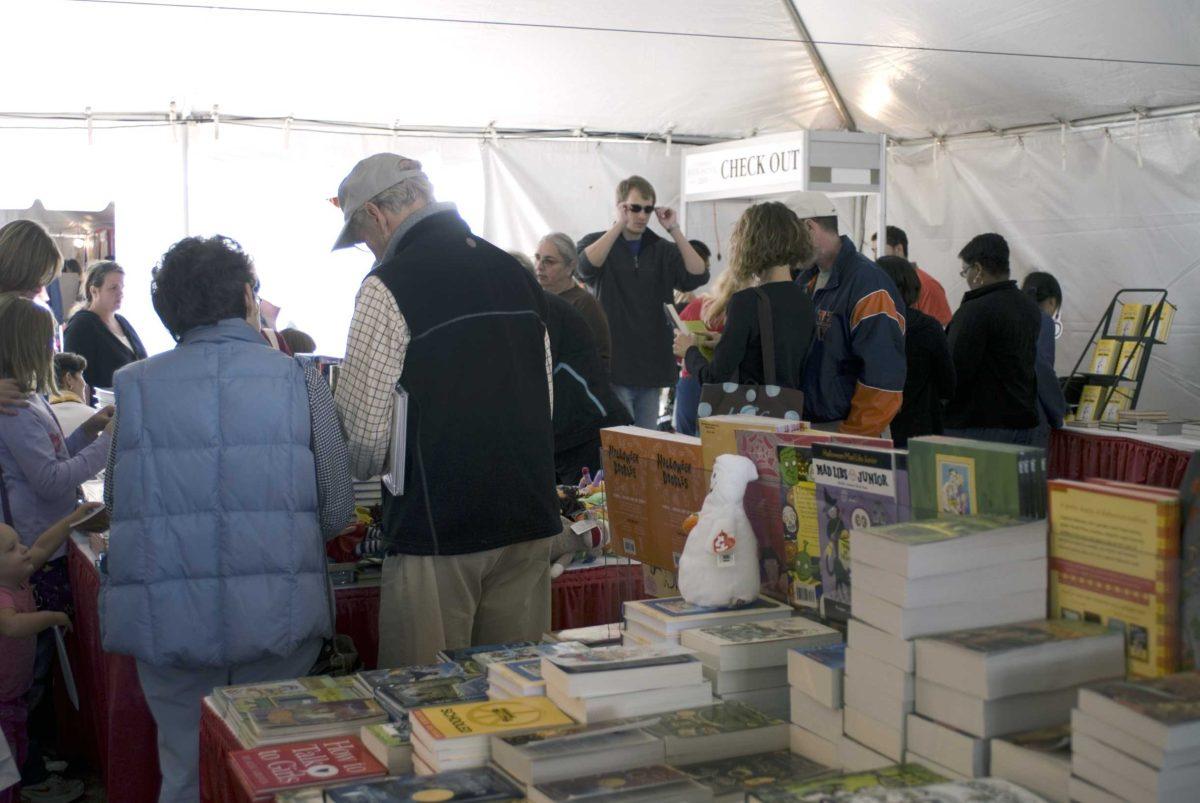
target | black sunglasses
[{"x": 638, "y": 208}]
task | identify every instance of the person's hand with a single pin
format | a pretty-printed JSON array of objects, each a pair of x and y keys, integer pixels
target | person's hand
[
  {"x": 11, "y": 397},
  {"x": 667, "y": 217},
  {"x": 622, "y": 220},
  {"x": 708, "y": 341},
  {"x": 100, "y": 422},
  {"x": 683, "y": 342},
  {"x": 62, "y": 620},
  {"x": 82, "y": 512}
]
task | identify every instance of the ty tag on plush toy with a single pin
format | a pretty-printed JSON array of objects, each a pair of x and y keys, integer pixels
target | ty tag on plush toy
[
  {"x": 722, "y": 547},
  {"x": 589, "y": 532}
]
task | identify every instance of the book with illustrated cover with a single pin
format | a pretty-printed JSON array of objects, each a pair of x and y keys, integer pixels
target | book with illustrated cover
[
  {"x": 405, "y": 675},
  {"x": 731, "y": 778},
  {"x": 1164, "y": 711},
  {"x": 801, "y": 522},
  {"x": 458, "y": 786},
  {"x": 465, "y": 656},
  {"x": 1162, "y": 329},
  {"x": 961, "y": 477},
  {"x": 756, "y": 645},
  {"x": 718, "y": 433},
  {"x": 447, "y": 723},
  {"x": 856, "y": 488},
  {"x": 436, "y": 691},
  {"x": 518, "y": 673},
  {"x": 1132, "y": 319},
  {"x": 576, "y": 751},
  {"x": 1131, "y": 359},
  {"x": 491, "y": 657},
  {"x": 1114, "y": 559},
  {"x": 1038, "y": 760},
  {"x": 671, "y": 615},
  {"x": 591, "y": 636},
  {"x": 345, "y": 716},
  {"x": 1088, "y": 408},
  {"x": 712, "y": 720},
  {"x": 559, "y": 734},
  {"x": 1189, "y": 553},
  {"x": 263, "y": 771},
  {"x": 762, "y": 502},
  {"x": 1119, "y": 401},
  {"x": 391, "y": 744},
  {"x": 626, "y": 781},
  {"x": 605, "y": 659},
  {"x": 724, "y": 730},
  {"x": 978, "y": 790},
  {"x": 316, "y": 689},
  {"x": 1104, "y": 357},
  {"x": 897, "y": 776}
]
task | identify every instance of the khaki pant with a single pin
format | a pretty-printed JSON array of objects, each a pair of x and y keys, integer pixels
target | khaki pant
[{"x": 429, "y": 603}]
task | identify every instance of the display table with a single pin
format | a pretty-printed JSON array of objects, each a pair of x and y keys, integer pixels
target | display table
[
  {"x": 1077, "y": 454},
  {"x": 121, "y": 728}
]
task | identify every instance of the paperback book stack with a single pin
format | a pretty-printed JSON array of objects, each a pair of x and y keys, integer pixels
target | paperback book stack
[
  {"x": 590, "y": 636},
  {"x": 477, "y": 659},
  {"x": 656, "y": 783},
  {"x": 296, "y": 710},
  {"x": 983, "y": 790},
  {"x": 712, "y": 732},
  {"x": 399, "y": 690},
  {"x": 1039, "y": 760},
  {"x": 1115, "y": 558},
  {"x": 652, "y": 621},
  {"x": 516, "y": 679},
  {"x": 921, "y": 578},
  {"x": 960, "y": 477},
  {"x": 748, "y": 662},
  {"x": 263, "y": 772},
  {"x": 556, "y": 754},
  {"x": 815, "y": 679},
  {"x": 621, "y": 682},
  {"x": 1137, "y": 740},
  {"x": 973, "y": 685},
  {"x": 898, "y": 777},
  {"x": 455, "y": 737},
  {"x": 464, "y": 786},
  {"x": 731, "y": 779}
]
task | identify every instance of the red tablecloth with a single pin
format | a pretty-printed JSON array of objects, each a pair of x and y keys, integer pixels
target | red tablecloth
[
  {"x": 594, "y": 596},
  {"x": 1078, "y": 454}
]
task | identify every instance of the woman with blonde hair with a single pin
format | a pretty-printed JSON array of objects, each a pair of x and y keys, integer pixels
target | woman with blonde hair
[
  {"x": 768, "y": 241},
  {"x": 29, "y": 260}
]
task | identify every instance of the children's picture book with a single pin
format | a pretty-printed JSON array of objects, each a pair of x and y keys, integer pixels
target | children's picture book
[
  {"x": 729, "y": 776},
  {"x": 435, "y": 691},
  {"x": 457, "y": 786},
  {"x": 267, "y": 720},
  {"x": 405, "y": 675},
  {"x": 956, "y": 485},
  {"x": 465, "y": 656},
  {"x": 962, "y": 477},
  {"x": 857, "y": 488},
  {"x": 1132, "y": 319},
  {"x": 1104, "y": 356}
]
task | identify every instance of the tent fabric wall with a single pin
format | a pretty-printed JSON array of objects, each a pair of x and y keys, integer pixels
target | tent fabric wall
[{"x": 1081, "y": 208}]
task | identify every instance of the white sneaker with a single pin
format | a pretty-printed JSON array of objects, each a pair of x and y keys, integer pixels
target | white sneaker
[{"x": 55, "y": 789}]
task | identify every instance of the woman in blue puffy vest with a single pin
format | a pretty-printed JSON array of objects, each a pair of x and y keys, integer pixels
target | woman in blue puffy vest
[{"x": 227, "y": 472}]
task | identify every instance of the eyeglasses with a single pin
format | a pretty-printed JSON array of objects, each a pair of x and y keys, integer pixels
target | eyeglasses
[{"x": 638, "y": 208}]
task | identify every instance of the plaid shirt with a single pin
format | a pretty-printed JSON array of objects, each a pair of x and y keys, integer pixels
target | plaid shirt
[{"x": 375, "y": 351}]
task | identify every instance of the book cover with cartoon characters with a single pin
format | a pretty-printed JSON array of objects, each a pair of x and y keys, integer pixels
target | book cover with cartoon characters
[
  {"x": 1003, "y": 638},
  {"x": 856, "y": 488}
]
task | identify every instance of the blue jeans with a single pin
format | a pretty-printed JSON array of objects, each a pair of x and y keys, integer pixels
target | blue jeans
[
  {"x": 642, "y": 403},
  {"x": 1022, "y": 437},
  {"x": 687, "y": 400}
]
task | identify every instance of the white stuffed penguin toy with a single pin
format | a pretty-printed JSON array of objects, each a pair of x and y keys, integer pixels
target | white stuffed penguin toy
[{"x": 719, "y": 565}]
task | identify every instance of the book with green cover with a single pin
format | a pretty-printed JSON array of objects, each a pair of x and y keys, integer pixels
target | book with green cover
[
  {"x": 959, "y": 477},
  {"x": 1002, "y": 638},
  {"x": 283, "y": 693},
  {"x": 711, "y": 720},
  {"x": 268, "y": 720},
  {"x": 770, "y": 630},
  {"x": 734, "y": 776},
  {"x": 625, "y": 781},
  {"x": 801, "y": 522},
  {"x": 897, "y": 776},
  {"x": 474, "y": 785}
]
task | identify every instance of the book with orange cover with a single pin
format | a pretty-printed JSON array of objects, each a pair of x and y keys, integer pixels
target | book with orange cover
[{"x": 1114, "y": 558}]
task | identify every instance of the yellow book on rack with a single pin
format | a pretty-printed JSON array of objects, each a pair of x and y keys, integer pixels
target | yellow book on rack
[
  {"x": 1162, "y": 329},
  {"x": 1089, "y": 403},
  {"x": 485, "y": 718},
  {"x": 1114, "y": 558},
  {"x": 1104, "y": 356},
  {"x": 1130, "y": 359},
  {"x": 1118, "y": 402},
  {"x": 1133, "y": 317}
]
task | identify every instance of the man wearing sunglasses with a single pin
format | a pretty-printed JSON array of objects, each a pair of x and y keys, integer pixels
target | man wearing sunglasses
[{"x": 633, "y": 272}]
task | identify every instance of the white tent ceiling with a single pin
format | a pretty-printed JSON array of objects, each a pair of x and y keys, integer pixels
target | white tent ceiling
[{"x": 707, "y": 68}]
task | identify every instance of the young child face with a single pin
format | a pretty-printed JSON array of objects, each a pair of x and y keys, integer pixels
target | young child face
[{"x": 16, "y": 564}]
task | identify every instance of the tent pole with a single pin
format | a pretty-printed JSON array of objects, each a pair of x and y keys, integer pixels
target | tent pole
[
  {"x": 187, "y": 226},
  {"x": 819, "y": 65}
]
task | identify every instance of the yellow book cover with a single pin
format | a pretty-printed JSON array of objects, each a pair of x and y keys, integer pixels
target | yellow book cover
[
  {"x": 485, "y": 718},
  {"x": 1133, "y": 316},
  {"x": 1118, "y": 401},
  {"x": 718, "y": 433},
  {"x": 1104, "y": 356},
  {"x": 1130, "y": 359},
  {"x": 1089, "y": 403},
  {"x": 1114, "y": 559},
  {"x": 1162, "y": 330}
]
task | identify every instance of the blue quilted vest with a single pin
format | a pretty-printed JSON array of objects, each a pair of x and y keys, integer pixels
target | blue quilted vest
[{"x": 215, "y": 553}]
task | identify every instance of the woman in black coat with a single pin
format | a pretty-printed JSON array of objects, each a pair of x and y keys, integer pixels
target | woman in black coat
[
  {"x": 105, "y": 339},
  {"x": 930, "y": 376}
]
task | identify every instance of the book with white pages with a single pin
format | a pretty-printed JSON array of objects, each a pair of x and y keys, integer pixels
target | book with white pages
[
  {"x": 880, "y": 675},
  {"x": 870, "y": 732},
  {"x": 1081, "y": 791},
  {"x": 1021, "y": 658},
  {"x": 1150, "y": 779},
  {"x": 944, "y": 546},
  {"x": 913, "y": 757},
  {"x": 670, "y": 616},
  {"x": 910, "y": 623},
  {"x": 963, "y": 753},
  {"x": 629, "y": 670},
  {"x": 1142, "y": 750},
  {"x": 754, "y": 645},
  {"x": 856, "y": 757},
  {"x": 818, "y": 673},
  {"x": 889, "y": 710},
  {"x": 772, "y": 702},
  {"x": 808, "y": 744},
  {"x": 1163, "y": 711},
  {"x": 811, "y": 715},
  {"x": 1038, "y": 760},
  {"x": 887, "y": 647},
  {"x": 746, "y": 679},
  {"x": 988, "y": 718},
  {"x": 632, "y": 704},
  {"x": 940, "y": 589},
  {"x": 1111, "y": 780},
  {"x": 572, "y": 752}
]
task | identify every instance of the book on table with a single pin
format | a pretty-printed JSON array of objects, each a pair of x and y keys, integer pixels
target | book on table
[
  {"x": 476, "y": 660},
  {"x": 1039, "y": 760},
  {"x": 960, "y": 752},
  {"x": 517, "y": 678},
  {"x": 939, "y": 547},
  {"x": 465, "y": 656},
  {"x": 817, "y": 672},
  {"x": 271, "y": 726},
  {"x": 656, "y": 782},
  {"x": 979, "y": 790},
  {"x": 264, "y": 771},
  {"x": 730, "y": 779},
  {"x": 743, "y": 680},
  {"x": 398, "y": 698},
  {"x": 755, "y": 645},
  {"x": 911, "y": 623},
  {"x": 275, "y": 694},
  {"x": 670, "y": 616},
  {"x": 614, "y": 670},
  {"x": 951, "y": 477},
  {"x": 813, "y": 716},
  {"x": 886, "y": 647},
  {"x": 724, "y": 730},
  {"x": 803, "y": 742},
  {"x": 569, "y": 752},
  {"x": 894, "y": 776},
  {"x": 591, "y": 635},
  {"x": 369, "y": 680},
  {"x": 877, "y": 736},
  {"x": 391, "y": 744},
  {"x": 1163, "y": 712},
  {"x": 606, "y": 707},
  {"x": 479, "y": 785},
  {"x": 998, "y": 717}
]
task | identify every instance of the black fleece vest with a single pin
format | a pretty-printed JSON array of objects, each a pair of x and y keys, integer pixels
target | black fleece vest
[{"x": 480, "y": 457}]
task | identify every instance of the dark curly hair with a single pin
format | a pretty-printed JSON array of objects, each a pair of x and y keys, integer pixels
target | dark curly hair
[{"x": 201, "y": 280}]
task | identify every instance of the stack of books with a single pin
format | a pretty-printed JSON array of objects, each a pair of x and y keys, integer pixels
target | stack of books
[
  {"x": 1137, "y": 740},
  {"x": 1039, "y": 760},
  {"x": 724, "y": 730},
  {"x": 815, "y": 679},
  {"x": 960, "y": 477},
  {"x": 1190, "y": 429},
  {"x": 462, "y": 786},
  {"x": 391, "y": 745},
  {"x": 368, "y": 493},
  {"x": 984, "y": 790},
  {"x": 294, "y": 710},
  {"x": 590, "y": 636},
  {"x": 973, "y": 685},
  {"x": 477, "y": 659},
  {"x": 651, "y": 621},
  {"x": 556, "y": 754},
  {"x": 731, "y": 779},
  {"x": 922, "y": 578},
  {"x": 399, "y": 698},
  {"x": 1115, "y": 558},
  {"x": 657, "y": 783},
  {"x": 898, "y": 777},
  {"x": 748, "y": 662},
  {"x": 455, "y": 737},
  {"x": 621, "y": 682},
  {"x": 516, "y": 679},
  {"x": 263, "y": 772}
]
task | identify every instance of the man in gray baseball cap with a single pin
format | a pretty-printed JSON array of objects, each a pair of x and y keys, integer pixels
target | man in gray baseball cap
[{"x": 458, "y": 324}]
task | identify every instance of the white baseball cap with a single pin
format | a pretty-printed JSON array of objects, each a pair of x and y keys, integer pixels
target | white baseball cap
[
  {"x": 369, "y": 177},
  {"x": 811, "y": 204}
]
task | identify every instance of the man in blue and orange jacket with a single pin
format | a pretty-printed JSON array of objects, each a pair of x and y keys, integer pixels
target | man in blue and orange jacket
[{"x": 854, "y": 378}]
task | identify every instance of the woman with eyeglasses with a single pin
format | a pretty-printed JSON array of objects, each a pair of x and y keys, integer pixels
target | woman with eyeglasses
[
  {"x": 1043, "y": 288},
  {"x": 97, "y": 333}
]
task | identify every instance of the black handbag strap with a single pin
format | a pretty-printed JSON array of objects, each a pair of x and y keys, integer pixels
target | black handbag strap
[
  {"x": 8, "y": 519},
  {"x": 766, "y": 327}
]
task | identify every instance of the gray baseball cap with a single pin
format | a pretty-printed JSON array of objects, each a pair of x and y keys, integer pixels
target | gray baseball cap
[{"x": 369, "y": 177}]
